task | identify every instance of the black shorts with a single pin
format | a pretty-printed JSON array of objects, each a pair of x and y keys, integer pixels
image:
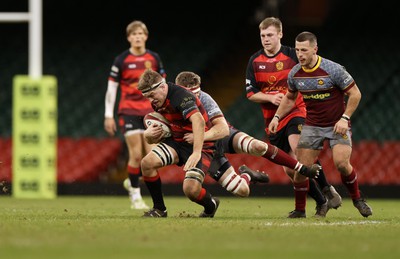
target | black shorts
[
  {"x": 225, "y": 145},
  {"x": 184, "y": 150},
  {"x": 220, "y": 163},
  {"x": 281, "y": 138},
  {"x": 131, "y": 123}
]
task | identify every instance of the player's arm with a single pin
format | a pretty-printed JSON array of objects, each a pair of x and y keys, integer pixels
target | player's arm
[
  {"x": 198, "y": 125},
  {"x": 288, "y": 101},
  {"x": 111, "y": 95},
  {"x": 354, "y": 98},
  {"x": 153, "y": 134},
  {"x": 261, "y": 97},
  {"x": 220, "y": 129}
]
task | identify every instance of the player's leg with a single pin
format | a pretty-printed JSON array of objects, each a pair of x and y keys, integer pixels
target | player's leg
[
  {"x": 231, "y": 181},
  {"x": 301, "y": 186},
  {"x": 132, "y": 128},
  {"x": 341, "y": 157},
  {"x": 243, "y": 143},
  {"x": 194, "y": 177},
  {"x": 160, "y": 156}
]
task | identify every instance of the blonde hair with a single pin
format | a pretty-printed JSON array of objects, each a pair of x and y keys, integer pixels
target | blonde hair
[
  {"x": 271, "y": 21},
  {"x": 134, "y": 25}
]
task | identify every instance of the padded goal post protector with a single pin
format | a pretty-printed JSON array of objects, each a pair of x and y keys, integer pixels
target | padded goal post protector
[{"x": 34, "y": 137}]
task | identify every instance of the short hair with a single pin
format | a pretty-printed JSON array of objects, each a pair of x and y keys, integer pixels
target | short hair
[
  {"x": 307, "y": 36},
  {"x": 134, "y": 25},
  {"x": 149, "y": 80},
  {"x": 188, "y": 79},
  {"x": 271, "y": 21}
]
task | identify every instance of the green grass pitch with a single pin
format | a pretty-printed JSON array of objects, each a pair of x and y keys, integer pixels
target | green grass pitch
[{"x": 106, "y": 227}]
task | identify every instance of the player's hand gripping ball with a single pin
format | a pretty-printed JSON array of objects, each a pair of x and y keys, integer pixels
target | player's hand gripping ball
[{"x": 157, "y": 118}]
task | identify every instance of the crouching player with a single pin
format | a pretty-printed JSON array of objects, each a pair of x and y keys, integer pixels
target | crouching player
[{"x": 187, "y": 115}]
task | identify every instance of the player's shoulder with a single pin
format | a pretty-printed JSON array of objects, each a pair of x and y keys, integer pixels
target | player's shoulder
[
  {"x": 153, "y": 53},
  {"x": 294, "y": 70},
  {"x": 123, "y": 54},
  {"x": 257, "y": 54},
  {"x": 329, "y": 62}
]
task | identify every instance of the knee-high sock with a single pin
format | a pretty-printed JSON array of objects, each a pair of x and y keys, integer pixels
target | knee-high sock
[
  {"x": 278, "y": 156},
  {"x": 154, "y": 186},
  {"x": 134, "y": 174},
  {"x": 321, "y": 180},
  {"x": 351, "y": 184},
  {"x": 205, "y": 199},
  {"x": 315, "y": 192},
  {"x": 300, "y": 194}
]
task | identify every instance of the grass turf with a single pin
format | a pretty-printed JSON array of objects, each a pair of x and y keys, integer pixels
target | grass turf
[{"x": 106, "y": 227}]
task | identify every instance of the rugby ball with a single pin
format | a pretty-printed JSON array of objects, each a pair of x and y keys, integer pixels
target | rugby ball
[{"x": 157, "y": 118}]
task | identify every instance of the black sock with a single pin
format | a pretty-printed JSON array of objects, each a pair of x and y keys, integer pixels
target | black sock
[
  {"x": 321, "y": 180},
  {"x": 134, "y": 178},
  {"x": 156, "y": 194},
  {"x": 207, "y": 203},
  {"x": 316, "y": 193}
]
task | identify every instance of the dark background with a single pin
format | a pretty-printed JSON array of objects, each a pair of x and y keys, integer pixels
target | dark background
[{"x": 212, "y": 38}]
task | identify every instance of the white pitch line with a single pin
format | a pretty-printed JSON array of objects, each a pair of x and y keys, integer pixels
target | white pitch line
[{"x": 339, "y": 223}]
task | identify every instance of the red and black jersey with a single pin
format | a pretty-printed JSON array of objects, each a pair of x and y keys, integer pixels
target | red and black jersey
[
  {"x": 268, "y": 74},
  {"x": 126, "y": 70},
  {"x": 179, "y": 105}
]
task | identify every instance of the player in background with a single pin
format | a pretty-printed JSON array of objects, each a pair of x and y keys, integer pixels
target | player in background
[
  {"x": 234, "y": 142},
  {"x": 186, "y": 114},
  {"x": 324, "y": 85},
  {"x": 125, "y": 74},
  {"x": 266, "y": 84}
]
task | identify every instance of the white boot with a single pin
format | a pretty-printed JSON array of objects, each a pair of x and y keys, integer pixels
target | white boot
[{"x": 137, "y": 202}]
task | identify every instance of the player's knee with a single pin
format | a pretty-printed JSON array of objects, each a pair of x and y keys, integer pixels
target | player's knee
[
  {"x": 191, "y": 189},
  {"x": 252, "y": 146},
  {"x": 192, "y": 184},
  {"x": 147, "y": 165},
  {"x": 343, "y": 167},
  {"x": 258, "y": 147}
]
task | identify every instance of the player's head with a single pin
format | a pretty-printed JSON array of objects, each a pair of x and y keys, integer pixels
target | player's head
[
  {"x": 153, "y": 87},
  {"x": 133, "y": 26},
  {"x": 271, "y": 34},
  {"x": 189, "y": 80},
  {"x": 137, "y": 34},
  {"x": 306, "y": 48}
]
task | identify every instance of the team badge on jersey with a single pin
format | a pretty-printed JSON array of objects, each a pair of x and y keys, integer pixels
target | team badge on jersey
[
  {"x": 147, "y": 64},
  {"x": 300, "y": 127},
  {"x": 279, "y": 66},
  {"x": 271, "y": 80}
]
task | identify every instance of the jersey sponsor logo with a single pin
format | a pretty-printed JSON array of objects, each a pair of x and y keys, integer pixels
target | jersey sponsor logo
[
  {"x": 261, "y": 66},
  {"x": 279, "y": 66},
  {"x": 132, "y": 65},
  {"x": 316, "y": 96},
  {"x": 147, "y": 64},
  {"x": 346, "y": 80},
  {"x": 186, "y": 101}
]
